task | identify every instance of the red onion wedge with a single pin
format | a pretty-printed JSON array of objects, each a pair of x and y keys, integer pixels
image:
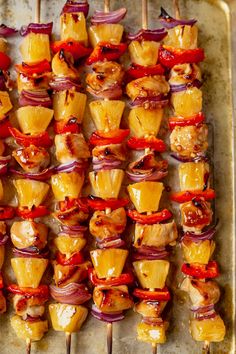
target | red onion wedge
[
  {"x": 101, "y": 17},
  {"x": 150, "y": 101},
  {"x": 31, "y": 252},
  {"x": 75, "y": 7},
  {"x": 65, "y": 83},
  {"x": 199, "y": 157},
  {"x": 6, "y": 31},
  {"x": 153, "y": 321},
  {"x": 112, "y": 93},
  {"x": 110, "y": 242},
  {"x": 155, "y": 175},
  {"x": 105, "y": 317},
  {"x": 202, "y": 309},
  {"x": 184, "y": 87},
  {"x": 169, "y": 22},
  {"x": 32, "y": 319},
  {"x": 40, "y": 176},
  {"x": 206, "y": 235},
  {"x": 72, "y": 166},
  {"x": 42, "y": 28},
  {"x": 72, "y": 294},
  {"x": 35, "y": 98},
  {"x": 3, "y": 168},
  {"x": 150, "y": 253},
  {"x": 3, "y": 239},
  {"x": 105, "y": 164},
  {"x": 73, "y": 231},
  {"x": 148, "y": 35}
]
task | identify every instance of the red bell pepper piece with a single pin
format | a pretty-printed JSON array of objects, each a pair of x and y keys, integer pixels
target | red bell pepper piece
[
  {"x": 42, "y": 139},
  {"x": 158, "y": 295},
  {"x": 1, "y": 281},
  {"x": 76, "y": 49},
  {"x": 112, "y": 137},
  {"x": 33, "y": 213},
  {"x": 5, "y": 61},
  {"x": 106, "y": 51},
  {"x": 71, "y": 126},
  {"x": 137, "y": 71},
  {"x": 183, "y": 197},
  {"x": 36, "y": 68},
  {"x": 201, "y": 271},
  {"x": 170, "y": 56},
  {"x": 75, "y": 259},
  {"x": 150, "y": 142},
  {"x": 70, "y": 203},
  {"x": 183, "y": 122},
  {"x": 4, "y": 128},
  {"x": 96, "y": 203},
  {"x": 151, "y": 219},
  {"x": 41, "y": 291},
  {"x": 126, "y": 278},
  {"x": 6, "y": 212}
]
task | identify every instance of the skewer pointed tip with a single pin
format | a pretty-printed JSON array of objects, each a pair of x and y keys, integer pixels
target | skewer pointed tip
[
  {"x": 68, "y": 342},
  {"x": 206, "y": 348},
  {"x": 154, "y": 348},
  {"x": 109, "y": 338},
  {"x": 28, "y": 346},
  {"x": 176, "y": 8}
]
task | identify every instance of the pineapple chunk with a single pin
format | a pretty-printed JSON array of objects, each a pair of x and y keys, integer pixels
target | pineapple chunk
[
  {"x": 187, "y": 103},
  {"x": 152, "y": 274},
  {"x": 192, "y": 175},
  {"x": 5, "y": 103},
  {"x": 107, "y": 115},
  {"x": 106, "y": 183},
  {"x": 67, "y": 185},
  {"x": 2, "y": 255},
  {"x": 105, "y": 33},
  {"x": 30, "y": 192},
  {"x": 67, "y": 318},
  {"x": 145, "y": 121},
  {"x": 211, "y": 330},
  {"x": 29, "y": 330},
  {"x": 1, "y": 191},
  {"x": 145, "y": 195},
  {"x": 199, "y": 252},
  {"x": 144, "y": 53},
  {"x": 34, "y": 119},
  {"x": 63, "y": 65},
  {"x": 28, "y": 233},
  {"x": 109, "y": 262},
  {"x": 29, "y": 271},
  {"x": 69, "y": 104},
  {"x": 73, "y": 25},
  {"x": 35, "y": 47},
  {"x": 183, "y": 37},
  {"x": 68, "y": 245},
  {"x": 151, "y": 333}
]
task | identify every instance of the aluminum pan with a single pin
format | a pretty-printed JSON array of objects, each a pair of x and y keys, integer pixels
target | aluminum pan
[{"x": 215, "y": 36}]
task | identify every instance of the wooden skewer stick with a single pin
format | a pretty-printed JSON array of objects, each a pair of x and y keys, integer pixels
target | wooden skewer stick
[
  {"x": 109, "y": 338},
  {"x": 154, "y": 348},
  {"x": 28, "y": 346},
  {"x": 68, "y": 342},
  {"x": 206, "y": 348},
  {"x": 37, "y": 11},
  {"x": 145, "y": 14},
  {"x": 106, "y": 5},
  {"x": 176, "y": 7}
]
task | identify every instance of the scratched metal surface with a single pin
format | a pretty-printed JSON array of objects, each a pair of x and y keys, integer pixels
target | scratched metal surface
[{"x": 214, "y": 24}]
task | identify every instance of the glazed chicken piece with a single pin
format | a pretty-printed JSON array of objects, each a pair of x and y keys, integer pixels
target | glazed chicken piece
[
  {"x": 71, "y": 147},
  {"x": 109, "y": 300},
  {"x": 64, "y": 275},
  {"x": 189, "y": 141},
  {"x": 32, "y": 159},
  {"x": 148, "y": 308},
  {"x": 29, "y": 306},
  {"x": 110, "y": 152},
  {"x": 147, "y": 86},
  {"x": 148, "y": 163},
  {"x": 63, "y": 65},
  {"x": 201, "y": 293},
  {"x": 35, "y": 82},
  {"x": 184, "y": 74},
  {"x": 104, "y": 225},
  {"x": 195, "y": 215}
]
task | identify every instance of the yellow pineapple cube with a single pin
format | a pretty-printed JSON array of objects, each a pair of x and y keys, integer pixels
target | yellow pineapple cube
[
  {"x": 187, "y": 103},
  {"x": 152, "y": 274},
  {"x": 106, "y": 183},
  {"x": 145, "y": 121},
  {"x": 183, "y": 37},
  {"x": 27, "y": 330},
  {"x": 68, "y": 245},
  {"x": 199, "y": 252},
  {"x": 30, "y": 192},
  {"x": 67, "y": 185},
  {"x": 151, "y": 333},
  {"x": 192, "y": 175},
  {"x": 63, "y": 65},
  {"x": 5, "y": 103},
  {"x": 35, "y": 47},
  {"x": 69, "y": 104},
  {"x": 145, "y": 195},
  {"x": 211, "y": 329},
  {"x": 34, "y": 119},
  {"x": 67, "y": 318},
  {"x": 144, "y": 53},
  {"x": 107, "y": 115},
  {"x": 109, "y": 262},
  {"x": 105, "y": 33},
  {"x": 2, "y": 255},
  {"x": 73, "y": 26},
  {"x": 29, "y": 271}
]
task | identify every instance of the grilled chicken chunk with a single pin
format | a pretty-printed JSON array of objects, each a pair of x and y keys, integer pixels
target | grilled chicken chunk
[
  {"x": 64, "y": 275},
  {"x": 195, "y": 215},
  {"x": 26, "y": 234},
  {"x": 109, "y": 300},
  {"x": 63, "y": 65},
  {"x": 104, "y": 225},
  {"x": 148, "y": 308},
  {"x": 148, "y": 163},
  {"x": 147, "y": 86},
  {"x": 32, "y": 159},
  {"x": 156, "y": 235},
  {"x": 184, "y": 74},
  {"x": 34, "y": 82},
  {"x": 190, "y": 140},
  {"x": 71, "y": 147},
  {"x": 201, "y": 293},
  {"x": 71, "y": 216},
  {"x": 29, "y": 306},
  {"x": 110, "y": 152}
]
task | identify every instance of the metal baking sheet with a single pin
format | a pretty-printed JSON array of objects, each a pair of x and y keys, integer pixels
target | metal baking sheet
[{"x": 215, "y": 19}]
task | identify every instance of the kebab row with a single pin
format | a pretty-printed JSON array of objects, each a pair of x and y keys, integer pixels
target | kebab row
[{"x": 188, "y": 142}]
